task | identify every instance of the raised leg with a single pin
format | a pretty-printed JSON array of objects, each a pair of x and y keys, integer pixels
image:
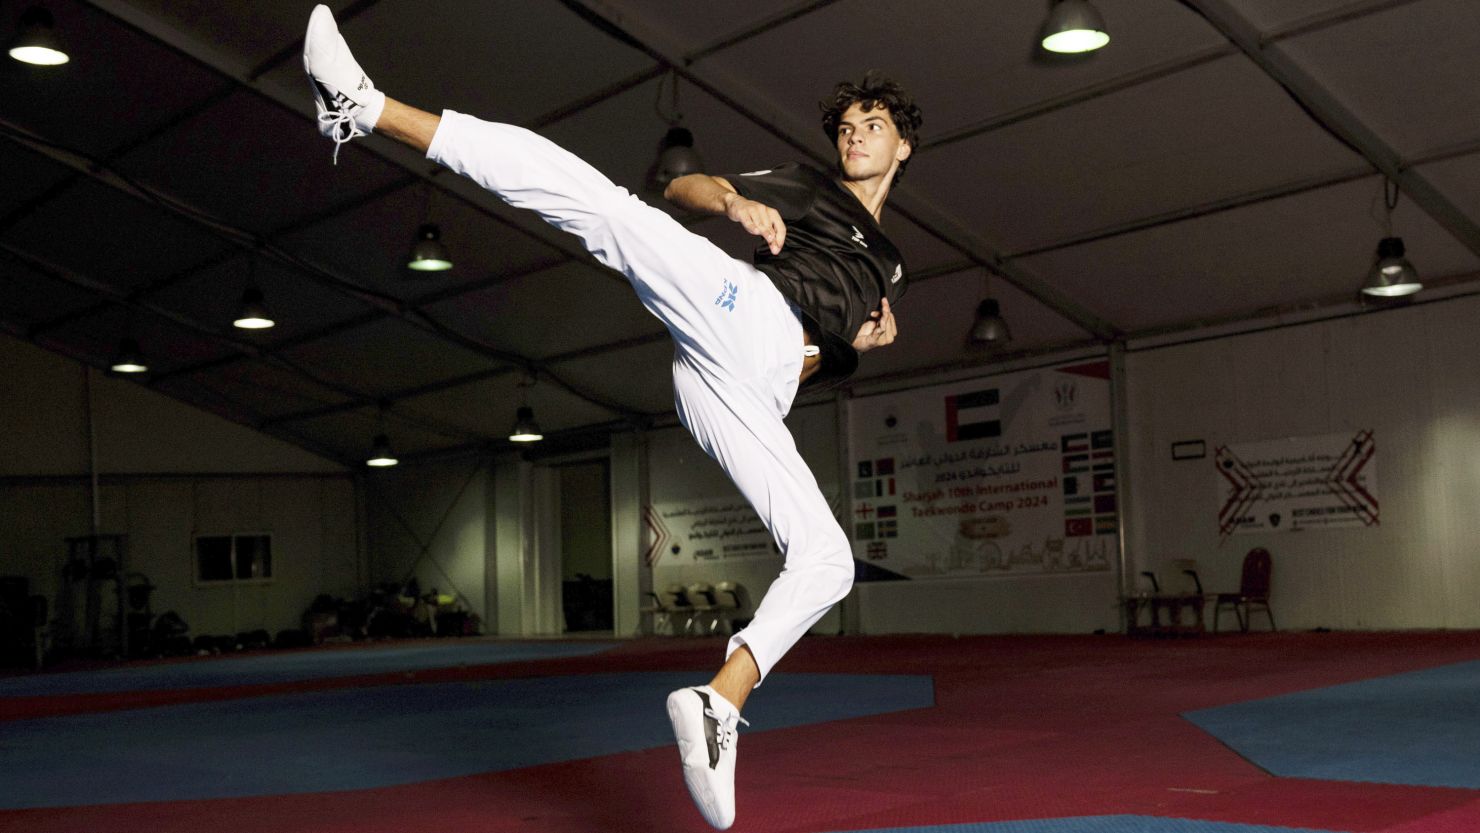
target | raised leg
[{"x": 407, "y": 124}]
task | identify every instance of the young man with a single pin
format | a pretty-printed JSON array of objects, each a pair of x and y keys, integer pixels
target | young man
[{"x": 746, "y": 337}]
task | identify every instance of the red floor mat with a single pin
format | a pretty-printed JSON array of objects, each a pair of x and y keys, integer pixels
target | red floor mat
[{"x": 1025, "y": 727}]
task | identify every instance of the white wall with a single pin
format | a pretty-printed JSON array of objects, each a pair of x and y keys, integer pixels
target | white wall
[
  {"x": 167, "y": 472},
  {"x": 1410, "y": 375},
  {"x": 489, "y": 529},
  {"x": 431, "y": 521}
]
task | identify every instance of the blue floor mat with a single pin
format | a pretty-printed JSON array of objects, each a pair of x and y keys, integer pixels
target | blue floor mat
[
  {"x": 1100, "y": 824},
  {"x": 1420, "y": 728},
  {"x": 260, "y": 669},
  {"x": 360, "y": 738}
]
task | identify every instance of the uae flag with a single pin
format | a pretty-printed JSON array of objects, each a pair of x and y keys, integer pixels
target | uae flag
[{"x": 973, "y": 416}]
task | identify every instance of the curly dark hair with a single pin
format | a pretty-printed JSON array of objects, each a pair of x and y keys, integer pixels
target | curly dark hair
[{"x": 876, "y": 91}]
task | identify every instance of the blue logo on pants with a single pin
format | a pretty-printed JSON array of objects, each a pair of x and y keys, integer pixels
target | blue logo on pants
[{"x": 726, "y": 297}]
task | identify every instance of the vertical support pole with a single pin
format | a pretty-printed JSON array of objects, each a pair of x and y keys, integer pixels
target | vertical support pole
[
  {"x": 92, "y": 448},
  {"x": 492, "y": 524},
  {"x": 1121, "y": 420},
  {"x": 632, "y": 577},
  {"x": 850, "y": 609}
]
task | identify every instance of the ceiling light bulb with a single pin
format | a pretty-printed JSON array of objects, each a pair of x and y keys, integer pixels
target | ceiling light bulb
[
  {"x": 380, "y": 453},
  {"x": 1074, "y": 26},
  {"x": 990, "y": 328},
  {"x": 1392, "y": 276},
  {"x": 254, "y": 314},
  {"x": 130, "y": 358},
  {"x": 36, "y": 42},
  {"x": 526, "y": 430},
  {"x": 427, "y": 253}
]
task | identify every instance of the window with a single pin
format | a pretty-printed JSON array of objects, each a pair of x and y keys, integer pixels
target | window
[{"x": 221, "y": 558}]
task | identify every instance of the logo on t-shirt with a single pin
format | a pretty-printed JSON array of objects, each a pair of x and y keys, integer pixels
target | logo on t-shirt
[
  {"x": 858, "y": 237},
  {"x": 758, "y": 173},
  {"x": 898, "y": 273},
  {"x": 727, "y": 295}
]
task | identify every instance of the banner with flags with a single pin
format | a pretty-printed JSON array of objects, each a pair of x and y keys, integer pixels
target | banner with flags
[{"x": 1007, "y": 475}]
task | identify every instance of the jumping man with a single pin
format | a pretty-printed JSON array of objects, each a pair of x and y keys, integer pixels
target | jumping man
[{"x": 746, "y": 337}]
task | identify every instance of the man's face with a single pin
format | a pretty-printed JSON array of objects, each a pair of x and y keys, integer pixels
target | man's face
[{"x": 869, "y": 144}]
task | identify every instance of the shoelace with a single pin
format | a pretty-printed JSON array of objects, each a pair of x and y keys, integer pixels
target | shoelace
[
  {"x": 726, "y": 734},
  {"x": 336, "y": 119}
]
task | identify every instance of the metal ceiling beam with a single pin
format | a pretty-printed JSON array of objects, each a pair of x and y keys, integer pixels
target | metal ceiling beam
[
  {"x": 275, "y": 347},
  {"x": 1334, "y": 17},
  {"x": 1317, "y": 22},
  {"x": 389, "y": 306},
  {"x": 1156, "y": 72},
  {"x": 297, "y": 101},
  {"x": 1276, "y": 192},
  {"x": 251, "y": 77},
  {"x": 475, "y": 377},
  {"x": 180, "y": 276},
  {"x": 58, "y": 188},
  {"x": 242, "y": 348},
  {"x": 783, "y": 125},
  {"x": 1304, "y": 26},
  {"x": 19, "y": 331},
  {"x": 1207, "y": 209},
  {"x": 1334, "y": 116},
  {"x": 347, "y": 324},
  {"x": 1072, "y": 98},
  {"x": 753, "y": 30}
]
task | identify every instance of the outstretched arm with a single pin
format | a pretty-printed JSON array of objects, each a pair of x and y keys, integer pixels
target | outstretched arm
[
  {"x": 715, "y": 195},
  {"x": 879, "y": 331}
]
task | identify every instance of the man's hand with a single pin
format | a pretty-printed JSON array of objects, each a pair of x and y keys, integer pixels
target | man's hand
[
  {"x": 715, "y": 195},
  {"x": 758, "y": 219},
  {"x": 878, "y": 331}
]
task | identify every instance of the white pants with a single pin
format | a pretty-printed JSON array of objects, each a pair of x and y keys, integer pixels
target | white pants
[{"x": 735, "y": 369}]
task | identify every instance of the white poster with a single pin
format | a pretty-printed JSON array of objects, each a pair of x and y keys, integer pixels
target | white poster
[
  {"x": 1001, "y": 476},
  {"x": 706, "y": 531},
  {"x": 1298, "y": 483}
]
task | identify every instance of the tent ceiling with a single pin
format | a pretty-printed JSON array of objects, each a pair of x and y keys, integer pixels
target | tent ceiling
[{"x": 1221, "y": 159}]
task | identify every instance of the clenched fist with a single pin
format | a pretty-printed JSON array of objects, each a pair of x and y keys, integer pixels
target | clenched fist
[{"x": 758, "y": 219}]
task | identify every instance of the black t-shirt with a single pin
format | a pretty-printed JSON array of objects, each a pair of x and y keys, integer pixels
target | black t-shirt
[{"x": 836, "y": 264}]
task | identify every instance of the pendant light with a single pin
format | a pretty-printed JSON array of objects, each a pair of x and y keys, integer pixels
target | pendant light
[
  {"x": 990, "y": 327},
  {"x": 676, "y": 154},
  {"x": 525, "y": 430},
  {"x": 253, "y": 314},
  {"x": 428, "y": 253},
  {"x": 130, "y": 358},
  {"x": 1073, "y": 27},
  {"x": 1391, "y": 275},
  {"x": 36, "y": 40},
  {"x": 381, "y": 455}
]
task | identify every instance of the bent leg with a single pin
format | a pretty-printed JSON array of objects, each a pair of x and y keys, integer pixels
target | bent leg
[{"x": 736, "y": 424}]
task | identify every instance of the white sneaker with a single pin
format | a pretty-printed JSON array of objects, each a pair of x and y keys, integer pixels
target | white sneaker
[
  {"x": 704, "y": 726},
  {"x": 346, "y": 99}
]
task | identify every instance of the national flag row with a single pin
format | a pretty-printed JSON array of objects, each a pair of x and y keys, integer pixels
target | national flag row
[{"x": 1089, "y": 484}]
